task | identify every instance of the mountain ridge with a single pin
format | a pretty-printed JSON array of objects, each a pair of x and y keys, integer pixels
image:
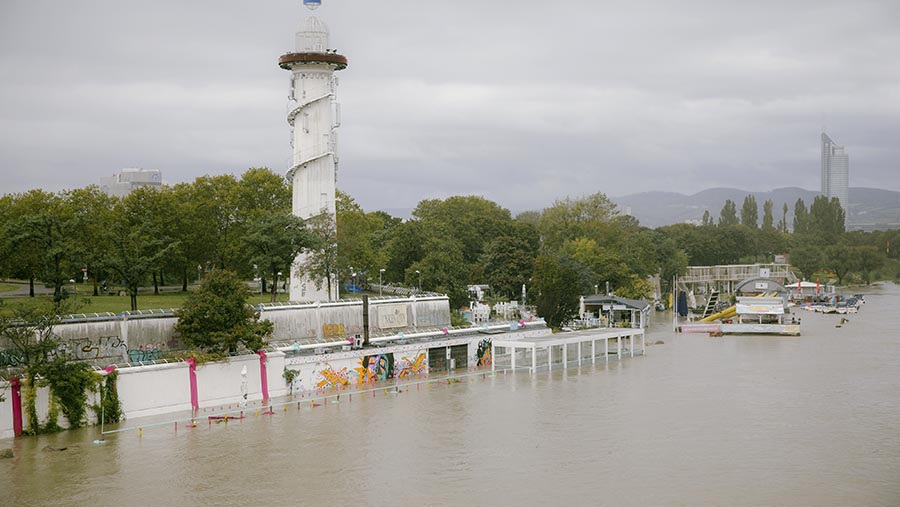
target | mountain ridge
[{"x": 870, "y": 208}]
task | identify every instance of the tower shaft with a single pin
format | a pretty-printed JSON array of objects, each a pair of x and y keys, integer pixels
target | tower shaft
[{"x": 314, "y": 117}]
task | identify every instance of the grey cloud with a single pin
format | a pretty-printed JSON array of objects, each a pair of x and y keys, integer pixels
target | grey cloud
[{"x": 520, "y": 102}]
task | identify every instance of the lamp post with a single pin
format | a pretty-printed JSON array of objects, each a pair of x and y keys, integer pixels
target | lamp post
[
  {"x": 199, "y": 272},
  {"x": 258, "y": 279},
  {"x": 275, "y": 287},
  {"x": 75, "y": 290},
  {"x": 419, "y": 274},
  {"x": 380, "y": 286}
]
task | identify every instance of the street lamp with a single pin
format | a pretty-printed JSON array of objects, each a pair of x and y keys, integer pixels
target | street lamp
[
  {"x": 199, "y": 271},
  {"x": 275, "y": 287},
  {"x": 75, "y": 289},
  {"x": 380, "y": 286},
  {"x": 258, "y": 279},
  {"x": 419, "y": 273}
]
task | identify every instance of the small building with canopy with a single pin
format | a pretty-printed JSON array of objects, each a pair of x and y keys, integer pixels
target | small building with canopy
[{"x": 614, "y": 311}]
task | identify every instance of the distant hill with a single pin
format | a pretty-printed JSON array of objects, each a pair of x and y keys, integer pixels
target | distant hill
[{"x": 870, "y": 208}]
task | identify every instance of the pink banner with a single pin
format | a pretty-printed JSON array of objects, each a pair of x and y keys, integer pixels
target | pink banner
[
  {"x": 16, "y": 406},
  {"x": 192, "y": 372},
  {"x": 263, "y": 377}
]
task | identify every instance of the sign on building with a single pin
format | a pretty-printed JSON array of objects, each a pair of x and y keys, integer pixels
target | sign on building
[{"x": 391, "y": 316}]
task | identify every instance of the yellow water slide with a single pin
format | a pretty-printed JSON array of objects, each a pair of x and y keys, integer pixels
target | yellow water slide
[{"x": 729, "y": 312}]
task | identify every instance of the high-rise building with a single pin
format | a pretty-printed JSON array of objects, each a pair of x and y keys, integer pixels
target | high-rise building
[
  {"x": 835, "y": 172},
  {"x": 122, "y": 183}
]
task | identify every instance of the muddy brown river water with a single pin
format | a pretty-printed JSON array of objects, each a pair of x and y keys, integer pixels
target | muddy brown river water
[{"x": 809, "y": 420}]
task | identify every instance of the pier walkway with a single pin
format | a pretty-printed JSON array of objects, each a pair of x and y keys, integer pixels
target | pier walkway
[{"x": 564, "y": 348}]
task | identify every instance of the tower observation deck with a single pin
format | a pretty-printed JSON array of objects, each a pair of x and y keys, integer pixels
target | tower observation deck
[{"x": 314, "y": 116}]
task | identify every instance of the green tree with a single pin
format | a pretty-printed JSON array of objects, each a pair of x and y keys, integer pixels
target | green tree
[
  {"x": 590, "y": 217},
  {"x": 559, "y": 284},
  {"x": 137, "y": 245},
  {"x": 216, "y": 317},
  {"x": 41, "y": 237},
  {"x": 782, "y": 224},
  {"x": 356, "y": 235},
  {"x": 471, "y": 221},
  {"x": 321, "y": 263},
  {"x": 92, "y": 215},
  {"x": 728, "y": 215},
  {"x": 840, "y": 260},
  {"x": 768, "y": 223},
  {"x": 273, "y": 241},
  {"x": 442, "y": 270},
  {"x": 508, "y": 264},
  {"x": 750, "y": 212},
  {"x": 596, "y": 263},
  {"x": 826, "y": 220},
  {"x": 868, "y": 259},
  {"x": 28, "y": 333},
  {"x": 807, "y": 258},
  {"x": 707, "y": 220},
  {"x": 801, "y": 217}
]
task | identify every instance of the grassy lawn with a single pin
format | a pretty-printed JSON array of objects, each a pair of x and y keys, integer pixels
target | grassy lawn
[
  {"x": 5, "y": 287},
  {"x": 116, "y": 304}
]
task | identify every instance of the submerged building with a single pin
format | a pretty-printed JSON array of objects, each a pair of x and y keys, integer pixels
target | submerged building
[{"x": 835, "y": 172}]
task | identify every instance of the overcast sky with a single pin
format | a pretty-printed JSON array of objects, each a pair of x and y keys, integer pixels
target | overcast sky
[{"x": 522, "y": 102}]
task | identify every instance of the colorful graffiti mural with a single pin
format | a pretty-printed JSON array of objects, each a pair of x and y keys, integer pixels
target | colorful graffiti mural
[
  {"x": 484, "y": 354},
  {"x": 333, "y": 378},
  {"x": 375, "y": 368},
  {"x": 406, "y": 368},
  {"x": 142, "y": 354}
]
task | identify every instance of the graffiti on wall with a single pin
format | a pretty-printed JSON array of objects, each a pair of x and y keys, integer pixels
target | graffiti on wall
[
  {"x": 143, "y": 354},
  {"x": 329, "y": 377},
  {"x": 483, "y": 356},
  {"x": 11, "y": 358},
  {"x": 93, "y": 348},
  {"x": 406, "y": 368},
  {"x": 375, "y": 368},
  {"x": 332, "y": 330}
]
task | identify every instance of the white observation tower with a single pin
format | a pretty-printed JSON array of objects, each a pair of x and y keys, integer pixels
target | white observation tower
[{"x": 314, "y": 116}]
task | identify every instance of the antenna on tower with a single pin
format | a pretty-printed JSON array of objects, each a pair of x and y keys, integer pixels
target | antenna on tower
[{"x": 312, "y": 4}]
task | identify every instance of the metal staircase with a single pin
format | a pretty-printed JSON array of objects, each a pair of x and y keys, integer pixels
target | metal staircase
[{"x": 711, "y": 303}]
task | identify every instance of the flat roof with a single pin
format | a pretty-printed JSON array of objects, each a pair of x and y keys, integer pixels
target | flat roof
[{"x": 567, "y": 338}]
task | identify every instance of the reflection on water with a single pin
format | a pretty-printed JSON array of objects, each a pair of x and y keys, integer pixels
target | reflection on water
[{"x": 809, "y": 420}]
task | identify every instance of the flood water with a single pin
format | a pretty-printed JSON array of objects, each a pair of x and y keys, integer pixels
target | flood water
[{"x": 809, "y": 420}]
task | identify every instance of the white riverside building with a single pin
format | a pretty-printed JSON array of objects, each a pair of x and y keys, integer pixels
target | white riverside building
[
  {"x": 314, "y": 116},
  {"x": 835, "y": 173}
]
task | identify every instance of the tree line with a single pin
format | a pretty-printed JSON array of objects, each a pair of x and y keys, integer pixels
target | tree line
[{"x": 175, "y": 234}]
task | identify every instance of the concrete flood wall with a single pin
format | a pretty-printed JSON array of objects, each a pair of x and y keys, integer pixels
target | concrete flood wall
[
  {"x": 6, "y": 411},
  {"x": 165, "y": 388},
  {"x": 108, "y": 339},
  {"x": 317, "y": 321},
  {"x": 159, "y": 389}
]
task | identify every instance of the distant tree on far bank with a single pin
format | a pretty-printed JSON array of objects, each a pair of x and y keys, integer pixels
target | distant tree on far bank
[
  {"x": 728, "y": 215},
  {"x": 217, "y": 318},
  {"x": 750, "y": 212}
]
